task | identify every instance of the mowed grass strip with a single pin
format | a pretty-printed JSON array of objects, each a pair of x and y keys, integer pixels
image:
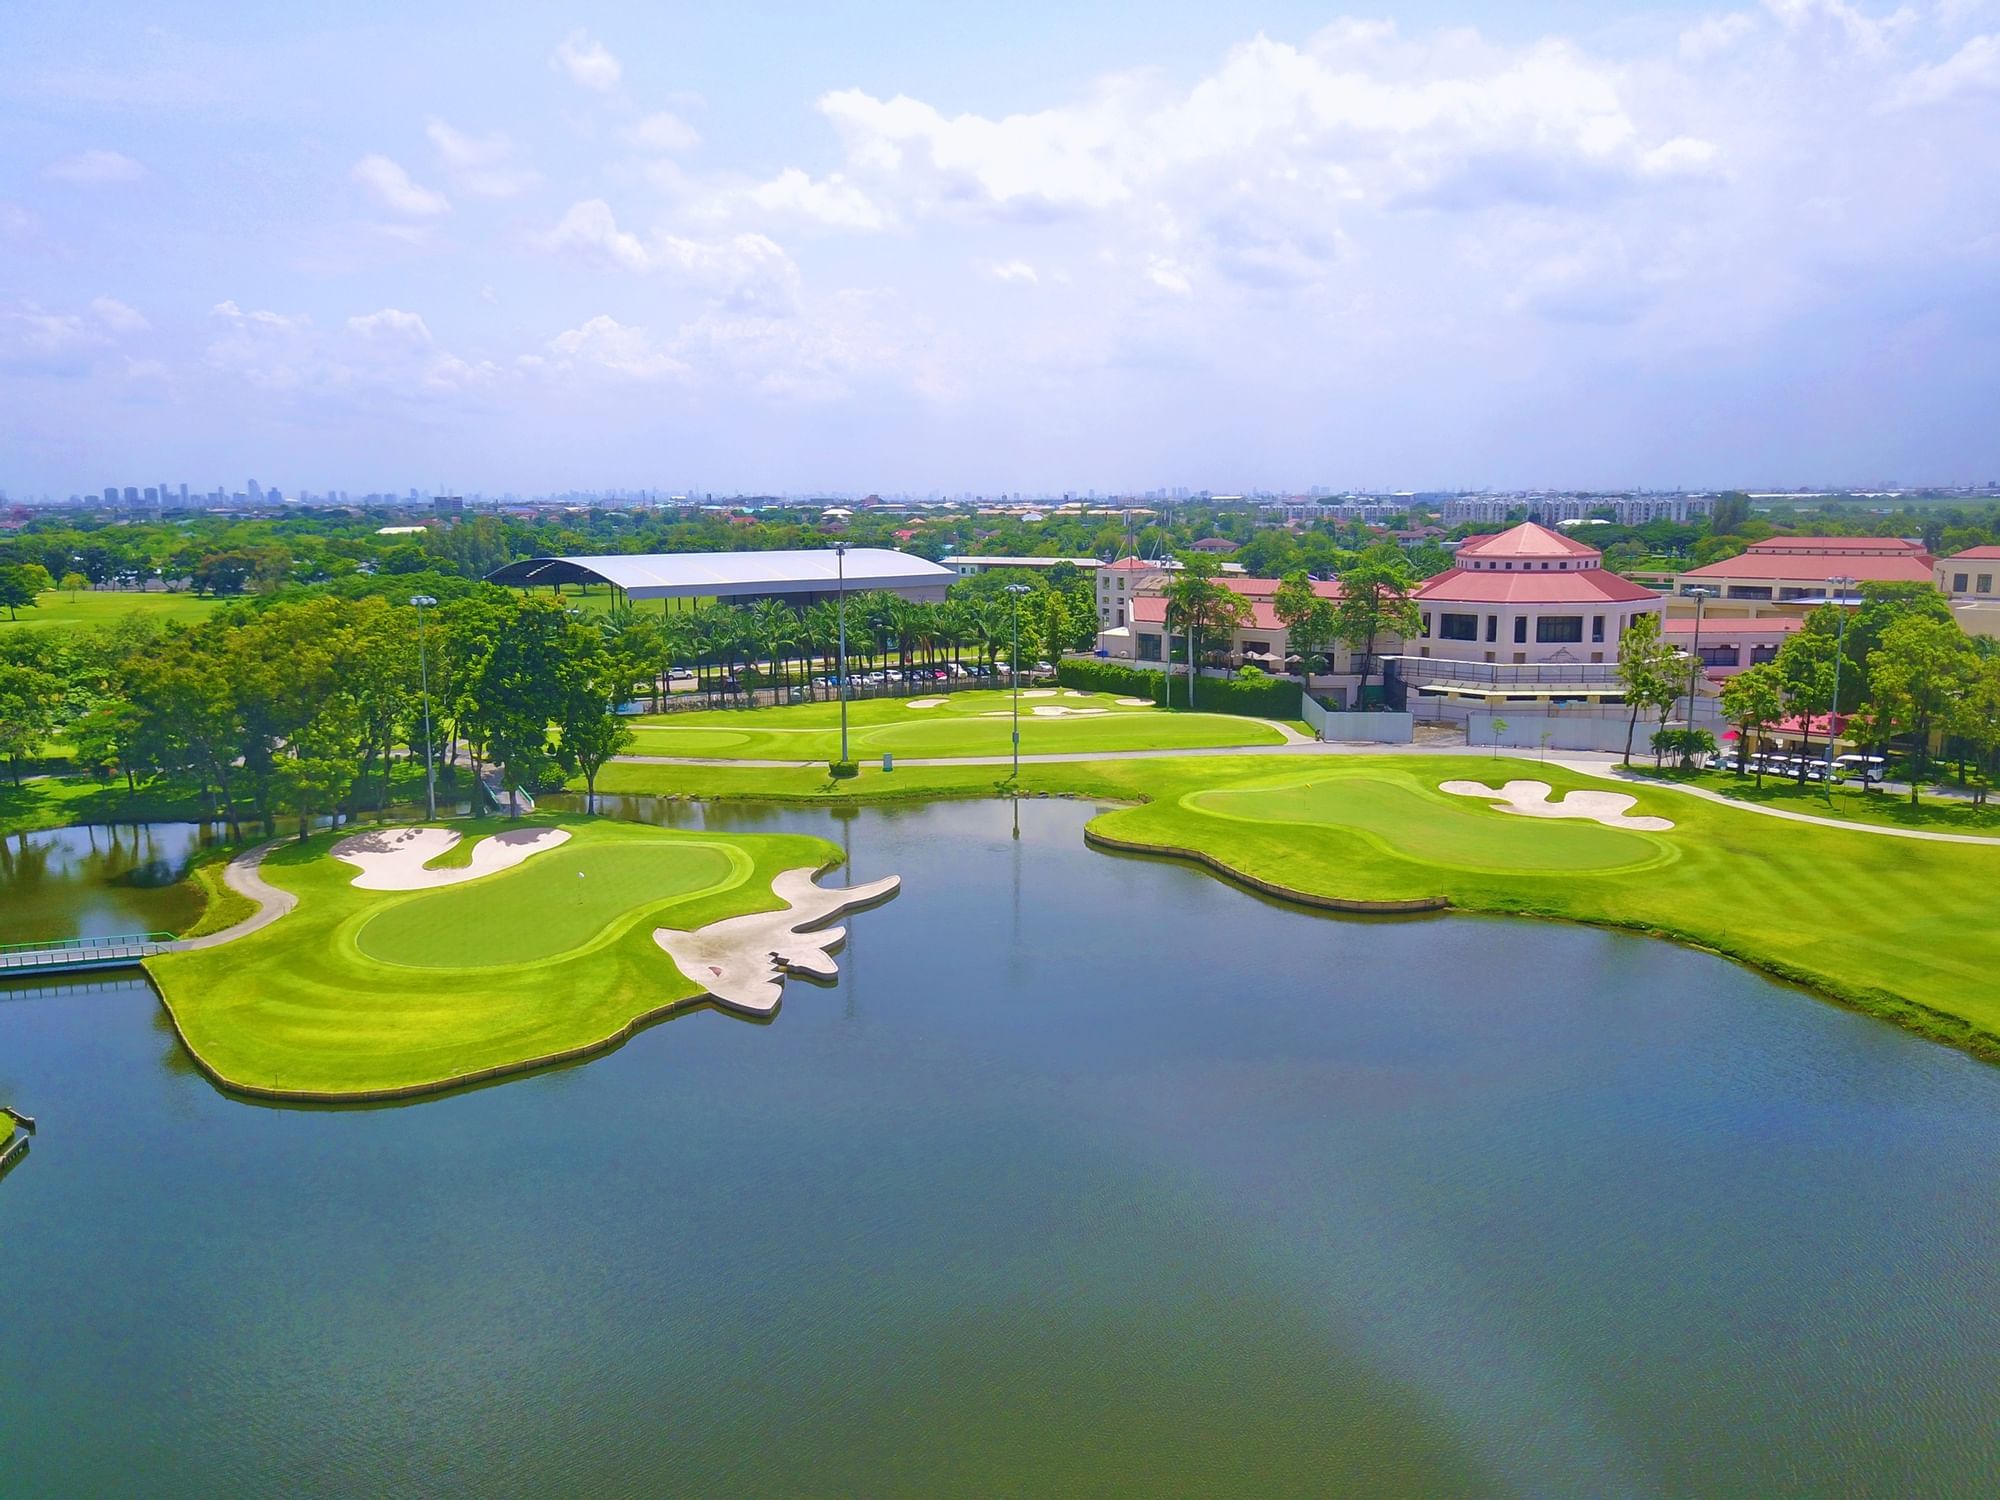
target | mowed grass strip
[
  {"x": 297, "y": 1009},
  {"x": 554, "y": 902},
  {"x": 1411, "y": 817},
  {"x": 970, "y": 723},
  {"x": 56, "y": 610}
]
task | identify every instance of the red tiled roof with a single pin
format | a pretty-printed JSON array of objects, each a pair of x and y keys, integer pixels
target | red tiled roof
[
  {"x": 1137, "y": 565},
  {"x": 1884, "y": 546},
  {"x": 1584, "y": 586},
  {"x": 1807, "y": 567},
  {"x": 1526, "y": 540},
  {"x": 1976, "y": 554},
  {"x": 1151, "y": 609}
]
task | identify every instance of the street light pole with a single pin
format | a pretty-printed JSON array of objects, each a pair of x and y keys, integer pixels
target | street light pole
[
  {"x": 1833, "y": 708},
  {"x": 840, "y": 608},
  {"x": 1014, "y": 593},
  {"x": 1700, "y": 597},
  {"x": 424, "y": 676}
]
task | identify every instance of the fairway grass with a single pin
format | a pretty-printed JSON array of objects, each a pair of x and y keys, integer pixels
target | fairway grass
[
  {"x": 510, "y": 971},
  {"x": 1902, "y": 929},
  {"x": 971, "y": 723},
  {"x": 56, "y": 610}
]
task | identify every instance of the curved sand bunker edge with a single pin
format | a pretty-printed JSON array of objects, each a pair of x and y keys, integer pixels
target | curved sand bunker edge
[
  {"x": 1531, "y": 799},
  {"x": 394, "y": 859},
  {"x": 741, "y": 962}
]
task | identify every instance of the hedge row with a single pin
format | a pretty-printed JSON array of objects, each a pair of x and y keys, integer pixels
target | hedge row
[{"x": 1272, "y": 698}]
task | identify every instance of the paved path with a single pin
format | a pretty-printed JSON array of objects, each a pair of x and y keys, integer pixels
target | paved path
[
  {"x": 241, "y": 875},
  {"x": 1617, "y": 773}
]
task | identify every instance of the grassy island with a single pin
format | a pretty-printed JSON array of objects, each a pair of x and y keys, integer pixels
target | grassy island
[{"x": 360, "y": 993}]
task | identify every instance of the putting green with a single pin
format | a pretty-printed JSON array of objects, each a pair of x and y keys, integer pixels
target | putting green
[
  {"x": 1418, "y": 823},
  {"x": 551, "y": 904}
]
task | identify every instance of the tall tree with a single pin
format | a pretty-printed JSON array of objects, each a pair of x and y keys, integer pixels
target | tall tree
[
  {"x": 522, "y": 688},
  {"x": 1310, "y": 625},
  {"x": 1375, "y": 601},
  {"x": 590, "y": 730},
  {"x": 1649, "y": 670},
  {"x": 1918, "y": 674},
  {"x": 1201, "y": 609},
  {"x": 1805, "y": 676},
  {"x": 1753, "y": 700}
]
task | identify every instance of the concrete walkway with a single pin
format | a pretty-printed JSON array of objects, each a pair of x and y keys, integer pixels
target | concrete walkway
[{"x": 241, "y": 876}]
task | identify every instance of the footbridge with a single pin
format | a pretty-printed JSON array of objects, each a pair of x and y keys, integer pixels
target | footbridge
[{"x": 77, "y": 955}]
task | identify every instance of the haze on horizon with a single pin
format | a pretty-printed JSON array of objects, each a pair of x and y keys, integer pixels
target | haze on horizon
[{"x": 621, "y": 246}]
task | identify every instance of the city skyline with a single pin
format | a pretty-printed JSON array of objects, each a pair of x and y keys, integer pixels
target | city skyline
[{"x": 1672, "y": 247}]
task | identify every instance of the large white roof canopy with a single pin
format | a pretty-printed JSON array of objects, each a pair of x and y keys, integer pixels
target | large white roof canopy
[{"x": 723, "y": 575}]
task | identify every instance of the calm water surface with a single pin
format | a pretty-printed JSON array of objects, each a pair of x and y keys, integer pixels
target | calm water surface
[
  {"x": 99, "y": 880},
  {"x": 1089, "y": 1175}
]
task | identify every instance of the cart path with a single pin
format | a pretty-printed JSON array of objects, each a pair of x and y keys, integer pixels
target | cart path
[{"x": 242, "y": 876}]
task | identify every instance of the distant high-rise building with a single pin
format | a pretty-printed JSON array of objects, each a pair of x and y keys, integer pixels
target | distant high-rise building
[
  {"x": 131, "y": 494},
  {"x": 152, "y": 495},
  {"x": 450, "y": 506},
  {"x": 254, "y": 494},
  {"x": 111, "y": 494},
  {"x": 184, "y": 496}
]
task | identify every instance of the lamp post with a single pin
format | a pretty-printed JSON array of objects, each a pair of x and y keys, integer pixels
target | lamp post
[
  {"x": 424, "y": 676},
  {"x": 1833, "y": 708},
  {"x": 840, "y": 609},
  {"x": 1014, "y": 593},
  {"x": 1700, "y": 596}
]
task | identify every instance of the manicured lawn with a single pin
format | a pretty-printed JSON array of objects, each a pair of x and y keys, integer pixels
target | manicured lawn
[
  {"x": 555, "y": 902},
  {"x": 1901, "y": 928},
  {"x": 965, "y": 724},
  {"x": 300, "y": 1008},
  {"x": 1848, "y": 803},
  {"x": 56, "y": 609},
  {"x": 56, "y": 801}
]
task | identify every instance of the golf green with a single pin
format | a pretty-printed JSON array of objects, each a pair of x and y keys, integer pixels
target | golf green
[
  {"x": 553, "y": 903},
  {"x": 1420, "y": 823}
]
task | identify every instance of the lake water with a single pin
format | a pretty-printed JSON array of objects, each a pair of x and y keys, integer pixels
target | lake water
[
  {"x": 1090, "y": 1174},
  {"x": 99, "y": 880}
]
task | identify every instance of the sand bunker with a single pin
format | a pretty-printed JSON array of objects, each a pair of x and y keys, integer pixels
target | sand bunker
[
  {"x": 1038, "y": 693},
  {"x": 1047, "y": 711},
  {"x": 742, "y": 961},
  {"x": 926, "y": 703},
  {"x": 1134, "y": 702},
  {"x": 393, "y": 859},
  {"x": 1531, "y": 799}
]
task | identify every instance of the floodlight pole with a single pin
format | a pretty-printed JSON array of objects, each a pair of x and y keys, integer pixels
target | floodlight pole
[
  {"x": 424, "y": 676},
  {"x": 1700, "y": 597},
  {"x": 1833, "y": 708},
  {"x": 1014, "y": 593}
]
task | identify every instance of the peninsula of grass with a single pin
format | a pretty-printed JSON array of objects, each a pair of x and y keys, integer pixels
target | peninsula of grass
[
  {"x": 90, "y": 608},
  {"x": 1900, "y": 928},
  {"x": 360, "y": 994},
  {"x": 973, "y": 723}
]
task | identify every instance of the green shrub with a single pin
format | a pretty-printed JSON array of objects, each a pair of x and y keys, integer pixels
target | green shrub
[
  {"x": 843, "y": 768},
  {"x": 1264, "y": 697}
]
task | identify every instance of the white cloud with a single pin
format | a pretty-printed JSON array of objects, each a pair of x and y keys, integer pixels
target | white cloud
[
  {"x": 604, "y": 344},
  {"x": 832, "y": 201},
  {"x": 662, "y": 131},
  {"x": 1013, "y": 270},
  {"x": 394, "y": 188},
  {"x": 1681, "y": 156},
  {"x": 1973, "y": 69},
  {"x": 117, "y": 317},
  {"x": 1714, "y": 35},
  {"x": 588, "y": 63},
  {"x": 741, "y": 271},
  {"x": 95, "y": 169},
  {"x": 481, "y": 165},
  {"x": 1169, "y": 276}
]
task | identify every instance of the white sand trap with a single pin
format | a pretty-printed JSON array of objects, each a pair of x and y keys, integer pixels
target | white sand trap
[
  {"x": 1038, "y": 692},
  {"x": 742, "y": 961},
  {"x": 1076, "y": 693},
  {"x": 926, "y": 703},
  {"x": 393, "y": 859},
  {"x": 1048, "y": 711},
  {"x": 1531, "y": 799},
  {"x": 1134, "y": 702}
]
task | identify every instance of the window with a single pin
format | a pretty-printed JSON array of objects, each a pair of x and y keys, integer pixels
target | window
[
  {"x": 1597, "y": 628},
  {"x": 1761, "y": 654},
  {"x": 1520, "y": 630},
  {"x": 1427, "y": 623},
  {"x": 1553, "y": 630},
  {"x": 1492, "y": 627},
  {"x": 1958, "y": 583},
  {"x": 1458, "y": 627},
  {"x": 1749, "y": 591},
  {"x": 1149, "y": 648},
  {"x": 1985, "y": 584}
]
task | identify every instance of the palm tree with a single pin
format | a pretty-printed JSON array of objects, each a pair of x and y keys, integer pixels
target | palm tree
[
  {"x": 774, "y": 627},
  {"x": 819, "y": 636}
]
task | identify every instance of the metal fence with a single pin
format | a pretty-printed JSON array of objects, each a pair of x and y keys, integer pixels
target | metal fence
[{"x": 62, "y": 953}]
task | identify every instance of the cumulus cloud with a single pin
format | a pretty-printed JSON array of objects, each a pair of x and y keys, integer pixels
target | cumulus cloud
[
  {"x": 1973, "y": 69},
  {"x": 740, "y": 271},
  {"x": 483, "y": 166},
  {"x": 832, "y": 201},
  {"x": 606, "y": 346},
  {"x": 394, "y": 189},
  {"x": 1013, "y": 270},
  {"x": 95, "y": 169},
  {"x": 588, "y": 62},
  {"x": 117, "y": 317},
  {"x": 662, "y": 132}
]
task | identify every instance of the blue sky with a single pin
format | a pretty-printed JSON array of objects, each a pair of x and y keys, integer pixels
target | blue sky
[{"x": 914, "y": 247}]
